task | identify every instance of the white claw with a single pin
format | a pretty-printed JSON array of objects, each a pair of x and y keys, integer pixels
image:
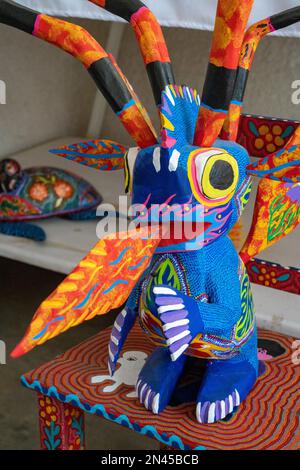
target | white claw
[
  {"x": 230, "y": 403},
  {"x": 141, "y": 392},
  {"x": 114, "y": 340},
  {"x": 178, "y": 353},
  {"x": 198, "y": 413},
  {"x": 222, "y": 409},
  {"x": 178, "y": 337},
  {"x": 155, "y": 404},
  {"x": 109, "y": 369},
  {"x": 173, "y": 324},
  {"x": 112, "y": 357},
  {"x": 238, "y": 398},
  {"x": 124, "y": 313},
  {"x": 146, "y": 402},
  {"x": 211, "y": 413},
  {"x": 170, "y": 308},
  {"x": 163, "y": 290},
  {"x": 137, "y": 385}
]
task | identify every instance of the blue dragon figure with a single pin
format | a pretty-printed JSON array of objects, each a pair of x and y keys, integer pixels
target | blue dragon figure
[{"x": 192, "y": 296}]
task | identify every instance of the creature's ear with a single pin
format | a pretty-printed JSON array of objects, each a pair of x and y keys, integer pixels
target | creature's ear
[
  {"x": 99, "y": 154},
  {"x": 101, "y": 282},
  {"x": 178, "y": 115},
  {"x": 276, "y": 214}
]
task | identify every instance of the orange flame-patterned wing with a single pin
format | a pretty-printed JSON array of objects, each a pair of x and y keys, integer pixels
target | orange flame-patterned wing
[
  {"x": 102, "y": 281},
  {"x": 276, "y": 214}
]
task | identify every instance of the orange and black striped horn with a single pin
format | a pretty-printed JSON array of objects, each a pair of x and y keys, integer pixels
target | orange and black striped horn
[
  {"x": 230, "y": 24},
  {"x": 250, "y": 43},
  {"x": 150, "y": 38},
  {"x": 101, "y": 66}
]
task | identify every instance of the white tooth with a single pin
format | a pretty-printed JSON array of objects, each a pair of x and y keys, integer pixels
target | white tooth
[
  {"x": 146, "y": 402},
  {"x": 170, "y": 308},
  {"x": 198, "y": 413},
  {"x": 156, "y": 159},
  {"x": 163, "y": 290},
  {"x": 173, "y": 324},
  {"x": 238, "y": 398},
  {"x": 173, "y": 162},
  {"x": 222, "y": 409},
  {"x": 114, "y": 340},
  {"x": 178, "y": 353},
  {"x": 211, "y": 413},
  {"x": 117, "y": 327},
  {"x": 178, "y": 337},
  {"x": 230, "y": 403},
  {"x": 170, "y": 96},
  {"x": 155, "y": 404}
]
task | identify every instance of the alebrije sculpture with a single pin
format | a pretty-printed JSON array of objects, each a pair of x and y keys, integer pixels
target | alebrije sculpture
[
  {"x": 192, "y": 296},
  {"x": 42, "y": 192}
]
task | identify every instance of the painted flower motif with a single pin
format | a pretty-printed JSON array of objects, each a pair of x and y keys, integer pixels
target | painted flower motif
[
  {"x": 63, "y": 189},
  {"x": 48, "y": 411},
  {"x": 269, "y": 138},
  {"x": 267, "y": 278},
  {"x": 38, "y": 191}
]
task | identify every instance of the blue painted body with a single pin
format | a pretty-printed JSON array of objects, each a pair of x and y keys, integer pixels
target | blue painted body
[{"x": 195, "y": 298}]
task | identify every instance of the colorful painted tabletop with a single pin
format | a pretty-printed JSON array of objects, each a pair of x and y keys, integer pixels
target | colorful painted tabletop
[{"x": 268, "y": 419}]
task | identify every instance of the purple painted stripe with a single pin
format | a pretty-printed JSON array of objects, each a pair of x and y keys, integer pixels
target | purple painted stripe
[
  {"x": 174, "y": 315},
  {"x": 115, "y": 333},
  {"x": 175, "y": 346},
  {"x": 218, "y": 410},
  {"x": 175, "y": 331},
  {"x": 168, "y": 300},
  {"x": 113, "y": 348},
  {"x": 204, "y": 411},
  {"x": 144, "y": 393},
  {"x": 226, "y": 406}
]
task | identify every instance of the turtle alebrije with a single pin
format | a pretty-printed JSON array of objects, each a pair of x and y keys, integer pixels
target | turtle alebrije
[
  {"x": 191, "y": 292},
  {"x": 39, "y": 193}
]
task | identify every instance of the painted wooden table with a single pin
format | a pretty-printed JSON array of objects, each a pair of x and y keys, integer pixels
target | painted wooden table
[{"x": 267, "y": 419}]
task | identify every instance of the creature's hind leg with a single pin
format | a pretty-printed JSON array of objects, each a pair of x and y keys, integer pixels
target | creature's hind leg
[
  {"x": 226, "y": 383},
  {"x": 158, "y": 378}
]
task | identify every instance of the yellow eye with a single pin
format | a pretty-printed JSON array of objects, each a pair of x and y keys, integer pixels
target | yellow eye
[{"x": 213, "y": 174}]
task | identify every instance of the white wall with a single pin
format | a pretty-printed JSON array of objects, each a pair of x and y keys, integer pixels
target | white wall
[{"x": 49, "y": 93}]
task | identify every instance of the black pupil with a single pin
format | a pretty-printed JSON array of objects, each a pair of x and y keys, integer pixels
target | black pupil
[{"x": 221, "y": 175}]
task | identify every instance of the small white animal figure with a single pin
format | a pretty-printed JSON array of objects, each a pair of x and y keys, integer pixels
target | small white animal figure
[{"x": 131, "y": 364}]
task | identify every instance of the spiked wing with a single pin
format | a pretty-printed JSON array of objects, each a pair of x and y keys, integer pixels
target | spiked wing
[
  {"x": 276, "y": 214},
  {"x": 102, "y": 154},
  {"x": 102, "y": 281}
]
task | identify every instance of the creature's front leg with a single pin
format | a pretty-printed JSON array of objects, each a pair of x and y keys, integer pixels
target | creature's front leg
[{"x": 228, "y": 316}]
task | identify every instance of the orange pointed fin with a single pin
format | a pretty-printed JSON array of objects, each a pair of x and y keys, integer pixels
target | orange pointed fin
[
  {"x": 102, "y": 281},
  {"x": 276, "y": 214},
  {"x": 100, "y": 154}
]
